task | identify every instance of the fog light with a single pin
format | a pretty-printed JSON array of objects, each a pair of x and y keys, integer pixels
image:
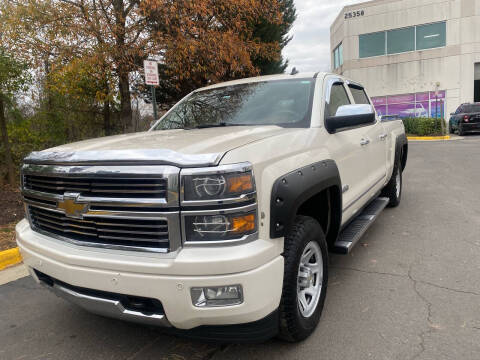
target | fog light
[{"x": 212, "y": 296}]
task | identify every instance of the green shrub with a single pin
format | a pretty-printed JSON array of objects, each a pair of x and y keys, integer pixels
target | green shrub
[{"x": 424, "y": 126}]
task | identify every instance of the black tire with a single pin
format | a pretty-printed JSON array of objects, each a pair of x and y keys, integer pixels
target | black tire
[
  {"x": 390, "y": 190},
  {"x": 450, "y": 130},
  {"x": 293, "y": 325},
  {"x": 460, "y": 130}
]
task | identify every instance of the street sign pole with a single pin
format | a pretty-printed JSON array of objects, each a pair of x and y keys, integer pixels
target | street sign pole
[
  {"x": 151, "y": 78},
  {"x": 154, "y": 102}
]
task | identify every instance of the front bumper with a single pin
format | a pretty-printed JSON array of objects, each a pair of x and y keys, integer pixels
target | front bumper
[{"x": 141, "y": 275}]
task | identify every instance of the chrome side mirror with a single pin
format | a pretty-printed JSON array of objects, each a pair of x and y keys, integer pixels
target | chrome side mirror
[
  {"x": 349, "y": 116},
  {"x": 355, "y": 109}
]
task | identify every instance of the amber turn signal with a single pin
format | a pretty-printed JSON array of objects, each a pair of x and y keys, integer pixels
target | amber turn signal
[
  {"x": 243, "y": 224},
  {"x": 240, "y": 183}
]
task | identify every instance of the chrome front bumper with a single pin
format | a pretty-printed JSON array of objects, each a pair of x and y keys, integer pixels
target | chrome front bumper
[{"x": 102, "y": 305}]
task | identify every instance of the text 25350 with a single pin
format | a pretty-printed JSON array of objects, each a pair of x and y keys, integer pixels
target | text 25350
[{"x": 354, "y": 14}]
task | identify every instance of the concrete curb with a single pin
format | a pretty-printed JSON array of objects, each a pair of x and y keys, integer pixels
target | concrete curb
[
  {"x": 428, "y": 138},
  {"x": 9, "y": 257}
]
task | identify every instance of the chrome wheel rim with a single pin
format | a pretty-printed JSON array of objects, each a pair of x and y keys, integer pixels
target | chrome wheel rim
[
  {"x": 398, "y": 184},
  {"x": 310, "y": 279}
]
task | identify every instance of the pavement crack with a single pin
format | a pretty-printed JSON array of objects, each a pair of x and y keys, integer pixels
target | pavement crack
[
  {"x": 447, "y": 288},
  {"x": 460, "y": 291},
  {"x": 428, "y": 306}
]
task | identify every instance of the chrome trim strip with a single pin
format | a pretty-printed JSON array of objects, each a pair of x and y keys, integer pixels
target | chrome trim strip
[
  {"x": 229, "y": 201},
  {"x": 243, "y": 240},
  {"x": 363, "y": 194},
  {"x": 242, "y": 209},
  {"x": 223, "y": 169},
  {"x": 93, "y": 170},
  {"x": 107, "y": 201},
  {"x": 120, "y": 214},
  {"x": 123, "y": 157},
  {"x": 107, "y": 307}
]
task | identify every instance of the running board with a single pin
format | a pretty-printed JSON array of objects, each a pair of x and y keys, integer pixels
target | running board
[{"x": 354, "y": 231}]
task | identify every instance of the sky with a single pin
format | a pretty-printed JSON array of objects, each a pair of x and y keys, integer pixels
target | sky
[{"x": 309, "y": 49}]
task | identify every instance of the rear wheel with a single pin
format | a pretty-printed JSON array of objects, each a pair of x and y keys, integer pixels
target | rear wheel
[
  {"x": 305, "y": 279},
  {"x": 393, "y": 190},
  {"x": 460, "y": 130},
  {"x": 450, "y": 130}
]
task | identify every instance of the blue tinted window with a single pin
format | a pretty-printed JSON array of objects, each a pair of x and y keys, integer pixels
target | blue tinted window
[
  {"x": 338, "y": 56},
  {"x": 431, "y": 36},
  {"x": 372, "y": 44},
  {"x": 400, "y": 40}
]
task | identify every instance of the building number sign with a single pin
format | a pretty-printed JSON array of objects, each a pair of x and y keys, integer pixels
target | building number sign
[{"x": 354, "y": 14}]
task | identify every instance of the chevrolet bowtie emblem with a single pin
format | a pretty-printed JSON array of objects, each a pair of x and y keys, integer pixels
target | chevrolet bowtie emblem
[{"x": 71, "y": 207}]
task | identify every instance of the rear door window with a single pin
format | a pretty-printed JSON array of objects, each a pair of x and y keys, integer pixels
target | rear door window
[{"x": 359, "y": 95}]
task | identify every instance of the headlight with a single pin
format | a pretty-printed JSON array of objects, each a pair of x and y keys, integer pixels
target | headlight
[
  {"x": 220, "y": 227},
  {"x": 218, "y": 204},
  {"x": 225, "y": 182}
]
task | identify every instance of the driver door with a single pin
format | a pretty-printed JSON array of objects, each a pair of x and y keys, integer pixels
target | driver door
[
  {"x": 346, "y": 149},
  {"x": 375, "y": 137}
]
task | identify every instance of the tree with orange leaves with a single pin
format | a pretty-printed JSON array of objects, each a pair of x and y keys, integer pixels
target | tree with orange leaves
[
  {"x": 209, "y": 41},
  {"x": 196, "y": 42}
]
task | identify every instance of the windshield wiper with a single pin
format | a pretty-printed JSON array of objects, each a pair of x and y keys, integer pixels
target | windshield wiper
[{"x": 205, "y": 126}]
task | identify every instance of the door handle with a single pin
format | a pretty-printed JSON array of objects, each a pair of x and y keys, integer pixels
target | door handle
[
  {"x": 383, "y": 136},
  {"x": 364, "y": 142}
]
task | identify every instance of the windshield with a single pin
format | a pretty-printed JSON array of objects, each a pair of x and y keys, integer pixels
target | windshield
[
  {"x": 468, "y": 109},
  {"x": 281, "y": 102}
]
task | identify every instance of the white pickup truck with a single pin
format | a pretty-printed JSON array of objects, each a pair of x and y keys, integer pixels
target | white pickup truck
[{"x": 217, "y": 222}]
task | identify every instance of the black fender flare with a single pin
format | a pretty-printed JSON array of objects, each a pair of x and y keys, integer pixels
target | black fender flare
[
  {"x": 401, "y": 151},
  {"x": 290, "y": 191}
]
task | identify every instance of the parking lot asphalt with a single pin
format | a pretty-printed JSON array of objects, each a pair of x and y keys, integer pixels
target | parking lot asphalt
[{"x": 409, "y": 290}]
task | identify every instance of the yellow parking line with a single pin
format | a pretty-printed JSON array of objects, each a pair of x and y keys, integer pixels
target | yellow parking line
[
  {"x": 428, "y": 138},
  {"x": 9, "y": 257}
]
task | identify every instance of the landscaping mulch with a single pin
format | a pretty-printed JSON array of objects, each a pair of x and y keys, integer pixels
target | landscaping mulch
[{"x": 11, "y": 212}]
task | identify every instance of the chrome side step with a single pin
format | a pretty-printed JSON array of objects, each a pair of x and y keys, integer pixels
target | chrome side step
[{"x": 354, "y": 231}]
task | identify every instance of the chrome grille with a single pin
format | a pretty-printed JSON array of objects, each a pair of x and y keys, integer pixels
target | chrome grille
[
  {"x": 151, "y": 233},
  {"x": 99, "y": 186},
  {"x": 115, "y": 207}
]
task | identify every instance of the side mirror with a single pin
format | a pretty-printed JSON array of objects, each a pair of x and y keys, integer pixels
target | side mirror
[{"x": 350, "y": 116}]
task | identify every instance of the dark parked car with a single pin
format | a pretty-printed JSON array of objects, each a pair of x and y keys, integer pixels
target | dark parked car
[{"x": 465, "y": 119}]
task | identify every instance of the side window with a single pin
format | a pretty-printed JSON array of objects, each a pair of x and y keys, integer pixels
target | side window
[
  {"x": 338, "y": 97},
  {"x": 459, "y": 110},
  {"x": 359, "y": 95}
]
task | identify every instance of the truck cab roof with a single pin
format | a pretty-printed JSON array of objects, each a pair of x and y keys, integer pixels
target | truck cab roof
[{"x": 300, "y": 75}]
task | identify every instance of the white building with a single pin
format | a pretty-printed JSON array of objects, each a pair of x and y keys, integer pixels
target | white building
[{"x": 411, "y": 55}]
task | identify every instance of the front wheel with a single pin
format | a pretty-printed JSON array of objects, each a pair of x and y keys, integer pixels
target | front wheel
[{"x": 305, "y": 279}]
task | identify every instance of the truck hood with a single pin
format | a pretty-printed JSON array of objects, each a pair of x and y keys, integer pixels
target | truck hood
[{"x": 186, "y": 148}]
